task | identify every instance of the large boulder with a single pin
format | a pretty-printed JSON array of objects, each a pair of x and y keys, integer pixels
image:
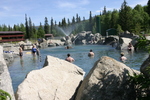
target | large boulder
[
  {"x": 107, "y": 80},
  {"x": 57, "y": 80},
  {"x": 5, "y": 79},
  {"x": 127, "y": 34},
  {"x": 123, "y": 43},
  {"x": 145, "y": 67}
]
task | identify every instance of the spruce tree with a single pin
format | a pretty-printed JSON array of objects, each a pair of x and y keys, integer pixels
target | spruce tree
[
  {"x": 104, "y": 11},
  {"x": 27, "y": 27},
  {"x": 46, "y": 26},
  {"x": 31, "y": 35},
  {"x": 125, "y": 16},
  {"x": 40, "y": 33},
  {"x": 52, "y": 25},
  {"x": 148, "y": 7}
]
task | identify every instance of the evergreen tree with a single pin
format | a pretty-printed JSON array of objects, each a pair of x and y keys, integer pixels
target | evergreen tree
[
  {"x": 40, "y": 33},
  {"x": 55, "y": 23},
  {"x": 46, "y": 26},
  {"x": 90, "y": 21},
  {"x": 148, "y": 7},
  {"x": 114, "y": 19},
  {"x": 34, "y": 32},
  {"x": 125, "y": 17},
  {"x": 73, "y": 20},
  {"x": 119, "y": 29},
  {"x": 31, "y": 35},
  {"x": 22, "y": 28},
  {"x": 137, "y": 19},
  {"x": 98, "y": 25},
  {"x": 52, "y": 25},
  {"x": 15, "y": 28},
  {"x": 94, "y": 29},
  {"x": 146, "y": 22},
  {"x": 69, "y": 23},
  {"x": 83, "y": 18},
  {"x": 5, "y": 28},
  {"x": 27, "y": 27},
  {"x": 64, "y": 24},
  {"x": 9, "y": 28},
  {"x": 77, "y": 18},
  {"x": 1, "y": 29},
  {"x": 104, "y": 11}
]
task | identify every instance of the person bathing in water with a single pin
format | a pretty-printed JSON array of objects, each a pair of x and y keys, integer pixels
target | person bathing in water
[
  {"x": 20, "y": 51},
  {"x": 68, "y": 47},
  {"x": 130, "y": 47},
  {"x": 34, "y": 50},
  {"x": 91, "y": 53},
  {"x": 122, "y": 58},
  {"x": 69, "y": 58}
]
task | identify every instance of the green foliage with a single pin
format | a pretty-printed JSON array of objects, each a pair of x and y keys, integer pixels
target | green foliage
[
  {"x": 141, "y": 86},
  {"x": 4, "y": 95},
  {"x": 46, "y": 26},
  {"x": 119, "y": 29},
  {"x": 143, "y": 44},
  {"x": 135, "y": 20},
  {"x": 148, "y": 7}
]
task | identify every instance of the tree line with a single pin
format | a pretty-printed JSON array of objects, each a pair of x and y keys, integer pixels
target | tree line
[{"x": 135, "y": 20}]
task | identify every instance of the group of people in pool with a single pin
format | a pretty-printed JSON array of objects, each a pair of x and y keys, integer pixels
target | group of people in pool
[
  {"x": 129, "y": 48},
  {"x": 34, "y": 50},
  {"x": 70, "y": 59},
  {"x": 91, "y": 53}
]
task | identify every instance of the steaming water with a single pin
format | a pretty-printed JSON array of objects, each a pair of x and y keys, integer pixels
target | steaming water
[{"x": 21, "y": 66}]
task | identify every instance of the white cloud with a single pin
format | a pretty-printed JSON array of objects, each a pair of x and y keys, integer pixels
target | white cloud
[
  {"x": 6, "y": 8},
  {"x": 70, "y": 4},
  {"x": 84, "y": 2},
  {"x": 66, "y": 5},
  {"x": 143, "y": 2}
]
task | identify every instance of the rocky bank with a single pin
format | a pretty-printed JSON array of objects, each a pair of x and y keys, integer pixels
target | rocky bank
[{"x": 5, "y": 79}]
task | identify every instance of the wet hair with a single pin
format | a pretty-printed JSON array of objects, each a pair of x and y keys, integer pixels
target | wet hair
[
  {"x": 68, "y": 55},
  {"x": 91, "y": 50},
  {"x": 122, "y": 54}
]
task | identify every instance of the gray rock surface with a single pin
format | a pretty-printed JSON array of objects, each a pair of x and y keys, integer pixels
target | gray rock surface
[
  {"x": 145, "y": 67},
  {"x": 5, "y": 79},
  {"x": 123, "y": 43},
  {"x": 107, "y": 80},
  {"x": 57, "y": 80}
]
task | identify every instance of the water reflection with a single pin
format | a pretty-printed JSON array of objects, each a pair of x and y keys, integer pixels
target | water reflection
[{"x": 21, "y": 62}]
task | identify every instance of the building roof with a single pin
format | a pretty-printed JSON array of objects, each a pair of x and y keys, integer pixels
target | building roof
[
  {"x": 10, "y": 32},
  {"x": 48, "y": 35}
]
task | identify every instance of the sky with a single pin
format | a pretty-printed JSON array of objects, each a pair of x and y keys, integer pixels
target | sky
[{"x": 13, "y": 11}]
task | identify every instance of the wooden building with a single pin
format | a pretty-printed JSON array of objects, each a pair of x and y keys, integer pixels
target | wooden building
[
  {"x": 48, "y": 36},
  {"x": 11, "y": 36}
]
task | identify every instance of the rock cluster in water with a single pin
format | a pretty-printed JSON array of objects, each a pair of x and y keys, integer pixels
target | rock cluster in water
[{"x": 61, "y": 80}]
